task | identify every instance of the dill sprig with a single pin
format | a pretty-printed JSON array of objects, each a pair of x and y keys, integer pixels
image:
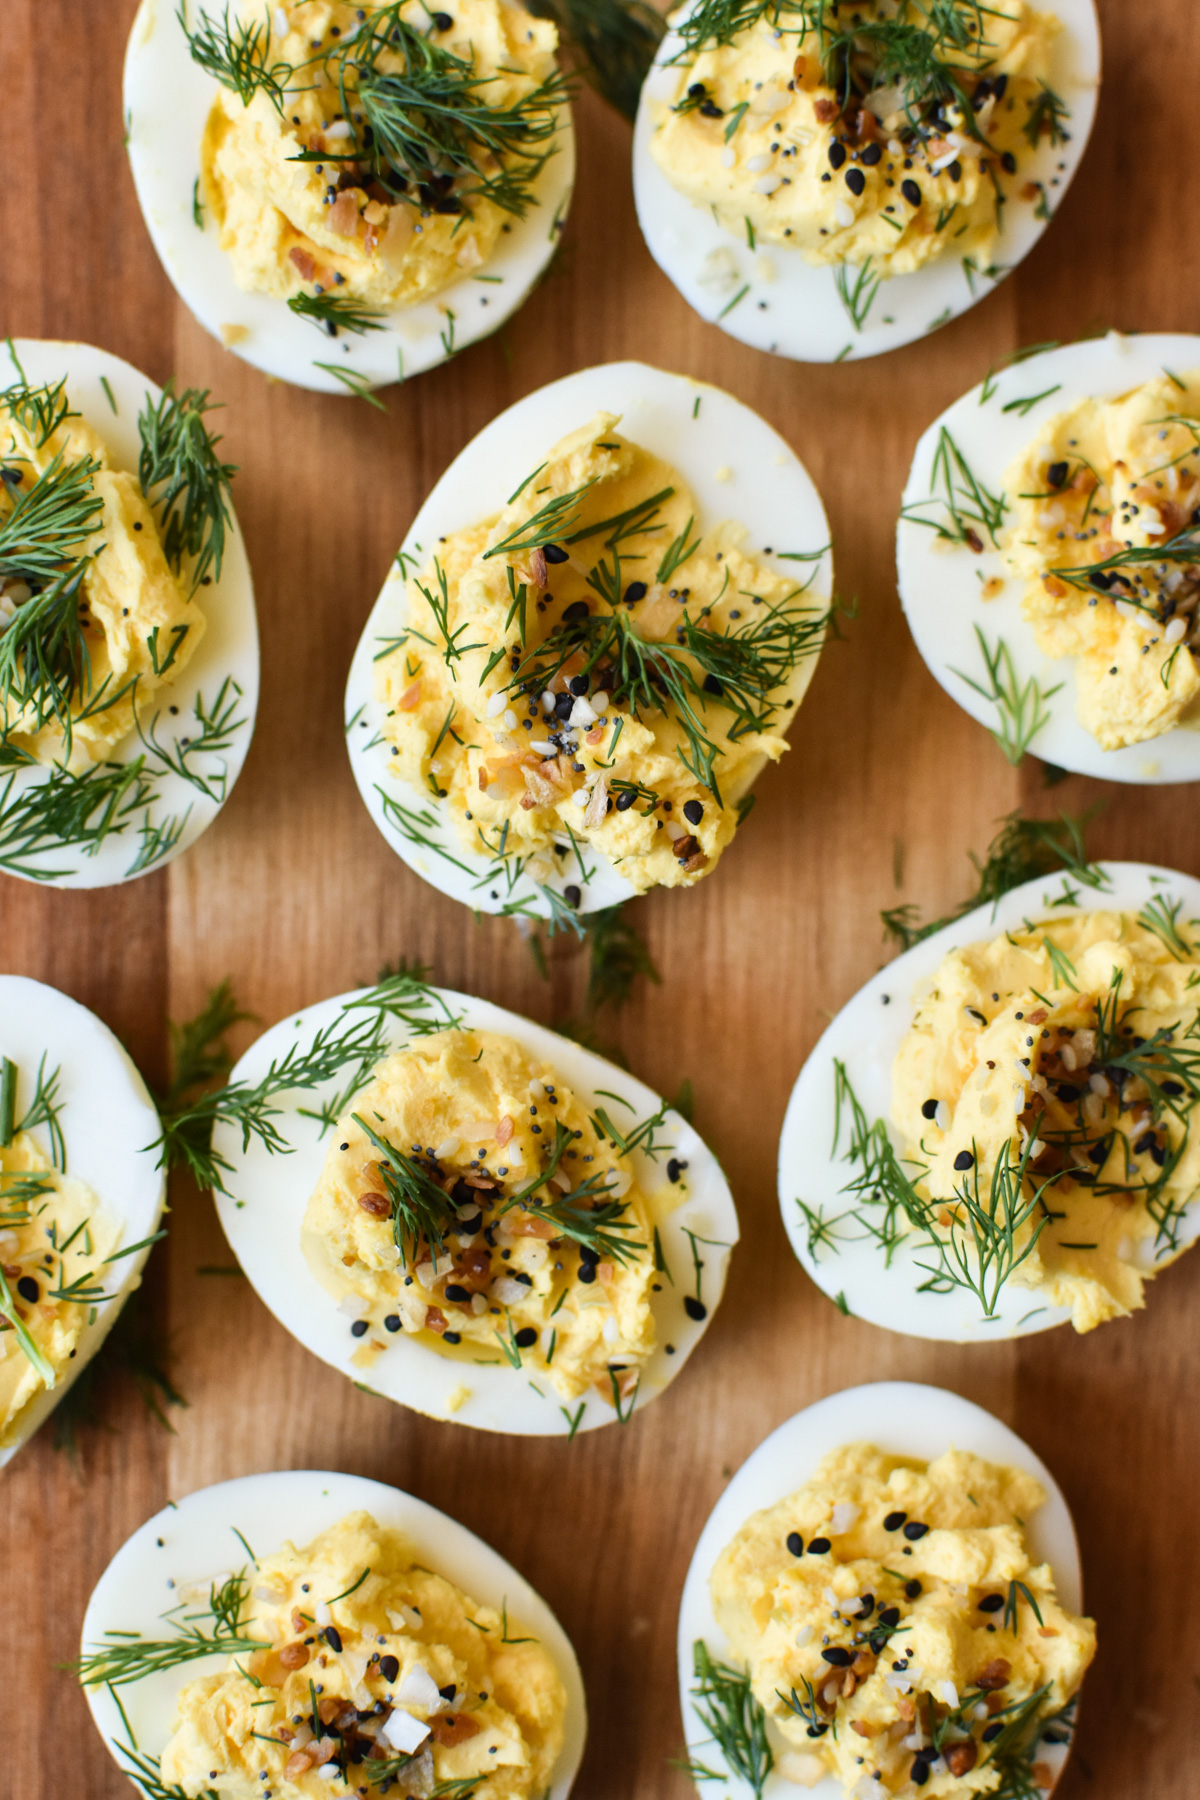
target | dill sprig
[
  {"x": 185, "y": 480},
  {"x": 1022, "y": 849},
  {"x": 856, "y": 289},
  {"x": 586, "y": 1219},
  {"x": 422, "y": 127},
  {"x": 422, "y": 1211},
  {"x": 135, "y": 1349},
  {"x": 617, "y": 957},
  {"x": 1021, "y": 706},
  {"x": 725, "y": 1703},
  {"x": 46, "y": 524},
  {"x": 128, "y": 1657},
  {"x": 350, "y": 1046},
  {"x": 334, "y": 313},
  {"x": 1160, "y": 916},
  {"x": 39, "y": 411},
  {"x": 741, "y": 668},
  {"x": 65, "y": 811},
  {"x": 614, "y": 42},
  {"x": 978, "y": 1247},
  {"x": 146, "y": 1774},
  {"x": 236, "y": 56},
  {"x": 968, "y": 513}
]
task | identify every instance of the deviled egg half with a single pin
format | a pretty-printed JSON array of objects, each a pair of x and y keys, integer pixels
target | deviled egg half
[
  {"x": 81, "y": 1196},
  {"x": 995, "y": 1135},
  {"x": 1049, "y": 556},
  {"x": 346, "y": 195},
  {"x": 471, "y": 1215},
  {"x": 128, "y": 639},
  {"x": 885, "y": 1601},
  {"x": 827, "y": 182},
  {"x": 594, "y": 638},
  {"x": 290, "y": 1635}
]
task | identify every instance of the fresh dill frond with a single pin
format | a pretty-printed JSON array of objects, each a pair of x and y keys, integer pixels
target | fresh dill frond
[
  {"x": 64, "y": 811},
  {"x": 613, "y": 41},
  {"x": 146, "y": 1774},
  {"x": 1161, "y": 917},
  {"x": 966, "y": 512},
  {"x": 617, "y": 957},
  {"x": 1048, "y": 116},
  {"x": 134, "y": 1350},
  {"x": 595, "y": 1224},
  {"x": 856, "y": 289},
  {"x": 237, "y": 56},
  {"x": 1021, "y": 850},
  {"x": 422, "y": 127},
  {"x": 979, "y": 1250},
  {"x": 1021, "y": 706},
  {"x": 199, "y": 1052},
  {"x": 128, "y": 1657},
  {"x": 334, "y": 313},
  {"x": 422, "y": 1211},
  {"x": 725, "y": 1703},
  {"x": 39, "y": 411},
  {"x": 185, "y": 480}
]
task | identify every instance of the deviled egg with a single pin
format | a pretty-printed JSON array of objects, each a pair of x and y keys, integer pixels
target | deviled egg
[
  {"x": 81, "y": 1196},
  {"x": 827, "y": 184},
  {"x": 128, "y": 641},
  {"x": 278, "y": 1634},
  {"x": 1049, "y": 560},
  {"x": 885, "y": 1600},
  {"x": 994, "y": 1135},
  {"x": 391, "y": 180},
  {"x": 594, "y": 638},
  {"x": 471, "y": 1215}
]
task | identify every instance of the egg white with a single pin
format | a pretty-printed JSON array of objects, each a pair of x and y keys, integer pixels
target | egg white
[
  {"x": 736, "y": 466},
  {"x": 109, "y": 1123},
  {"x": 795, "y": 310},
  {"x": 264, "y": 1209},
  {"x": 865, "y": 1036},
  {"x": 192, "y": 1540},
  {"x": 167, "y": 101},
  {"x": 941, "y": 585},
  {"x": 905, "y": 1418},
  {"x": 228, "y": 649}
]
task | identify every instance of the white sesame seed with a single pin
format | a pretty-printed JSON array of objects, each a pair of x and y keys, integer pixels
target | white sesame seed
[
  {"x": 496, "y": 705},
  {"x": 941, "y": 1117}
]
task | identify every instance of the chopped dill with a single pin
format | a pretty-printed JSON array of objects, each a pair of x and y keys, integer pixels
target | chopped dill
[{"x": 335, "y": 313}]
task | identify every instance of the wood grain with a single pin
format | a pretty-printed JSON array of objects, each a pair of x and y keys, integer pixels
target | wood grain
[{"x": 294, "y": 894}]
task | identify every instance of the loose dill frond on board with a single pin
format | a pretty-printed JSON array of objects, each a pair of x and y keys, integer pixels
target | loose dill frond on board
[
  {"x": 218, "y": 1629},
  {"x": 199, "y": 1052},
  {"x": 334, "y": 313},
  {"x": 724, "y": 1701},
  {"x": 134, "y": 1350},
  {"x": 1022, "y": 849},
  {"x": 422, "y": 127},
  {"x": 614, "y": 43},
  {"x": 185, "y": 481}
]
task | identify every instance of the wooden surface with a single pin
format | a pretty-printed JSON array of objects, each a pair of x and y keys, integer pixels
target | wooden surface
[{"x": 295, "y": 895}]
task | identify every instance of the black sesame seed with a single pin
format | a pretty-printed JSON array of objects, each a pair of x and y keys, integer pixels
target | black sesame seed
[
  {"x": 674, "y": 1169},
  {"x": 29, "y": 1290},
  {"x": 1056, "y": 474},
  {"x": 587, "y": 1273},
  {"x": 459, "y": 1294},
  {"x": 964, "y": 1160},
  {"x": 572, "y": 895},
  {"x": 889, "y": 1615},
  {"x": 895, "y": 1520},
  {"x": 991, "y": 1603},
  {"x": 712, "y": 685},
  {"x": 392, "y": 1322},
  {"x": 695, "y": 1309},
  {"x": 452, "y": 1337},
  {"x": 911, "y": 192},
  {"x": 693, "y": 812},
  {"x": 1009, "y": 162},
  {"x": 920, "y": 1771},
  {"x": 912, "y": 1589},
  {"x": 333, "y": 1637},
  {"x": 554, "y": 553},
  {"x": 837, "y": 154},
  {"x": 578, "y": 684},
  {"x": 359, "y": 1328},
  {"x": 577, "y": 612},
  {"x": 856, "y": 181},
  {"x": 526, "y": 1338},
  {"x": 795, "y": 1543},
  {"x": 389, "y": 1667},
  {"x": 634, "y": 592},
  {"x": 914, "y": 1531},
  {"x": 872, "y": 154},
  {"x": 818, "y": 1546},
  {"x": 625, "y": 799},
  {"x": 841, "y": 1659},
  {"x": 993, "y": 1730},
  {"x": 442, "y": 21},
  {"x": 929, "y": 1109}
]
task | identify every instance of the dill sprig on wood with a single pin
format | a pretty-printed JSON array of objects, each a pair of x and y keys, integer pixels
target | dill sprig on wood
[
  {"x": 128, "y": 1657},
  {"x": 185, "y": 481},
  {"x": 613, "y": 41},
  {"x": 1022, "y": 849},
  {"x": 725, "y": 1703},
  {"x": 617, "y": 957}
]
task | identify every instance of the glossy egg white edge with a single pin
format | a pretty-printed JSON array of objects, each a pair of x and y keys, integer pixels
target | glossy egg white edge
[
  {"x": 904, "y": 1418},
  {"x": 264, "y": 1209},
  {"x": 167, "y": 101},
  {"x": 770, "y": 298},
  {"x": 194, "y": 1539},
  {"x": 737, "y": 467},
  {"x": 866, "y": 1036},
  {"x": 941, "y": 585},
  {"x": 109, "y": 1126},
  {"x": 222, "y": 673}
]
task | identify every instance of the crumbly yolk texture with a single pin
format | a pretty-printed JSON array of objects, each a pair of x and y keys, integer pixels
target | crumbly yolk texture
[
  {"x": 757, "y": 134},
  {"x": 881, "y": 1596},
  {"x": 516, "y": 696},
  {"x": 1050, "y": 1036},
  {"x": 1100, "y": 480},
  {"x": 480, "y": 1117},
  {"x": 316, "y": 227},
  {"x": 139, "y": 626},
  {"x": 40, "y": 1208},
  {"x": 480, "y": 1706}
]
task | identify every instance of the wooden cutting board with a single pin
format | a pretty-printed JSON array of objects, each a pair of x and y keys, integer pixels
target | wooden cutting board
[{"x": 294, "y": 894}]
